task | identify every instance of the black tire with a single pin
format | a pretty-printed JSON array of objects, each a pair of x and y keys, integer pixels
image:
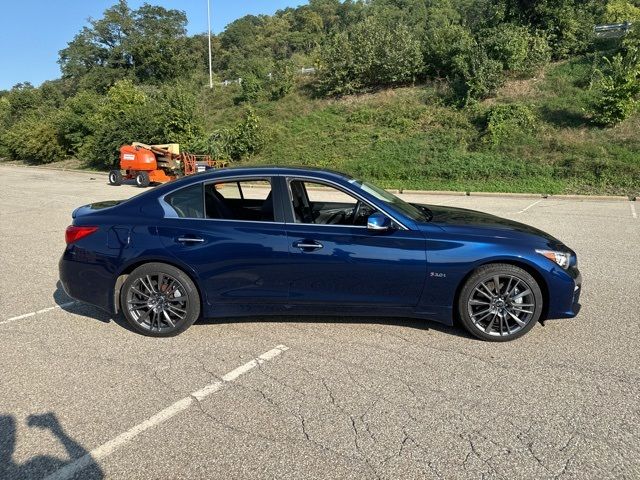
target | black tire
[
  {"x": 174, "y": 293},
  {"x": 142, "y": 179},
  {"x": 515, "y": 306},
  {"x": 115, "y": 177}
]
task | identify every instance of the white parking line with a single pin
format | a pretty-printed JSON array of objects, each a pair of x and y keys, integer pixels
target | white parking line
[
  {"x": 528, "y": 207},
  {"x": 27, "y": 315},
  {"x": 633, "y": 210},
  {"x": 106, "y": 449}
]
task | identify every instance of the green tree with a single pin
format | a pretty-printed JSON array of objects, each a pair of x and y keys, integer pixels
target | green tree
[
  {"x": 374, "y": 53},
  {"x": 148, "y": 44}
]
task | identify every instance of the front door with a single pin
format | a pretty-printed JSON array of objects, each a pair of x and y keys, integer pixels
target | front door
[{"x": 335, "y": 259}]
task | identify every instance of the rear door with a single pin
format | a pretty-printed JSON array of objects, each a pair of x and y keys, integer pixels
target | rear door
[
  {"x": 335, "y": 259},
  {"x": 236, "y": 260}
]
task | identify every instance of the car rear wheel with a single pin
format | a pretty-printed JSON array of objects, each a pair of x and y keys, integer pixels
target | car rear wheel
[
  {"x": 142, "y": 179},
  {"x": 500, "y": 302},
  {"x": 115, "y": 177},
  {"x": 159, "y": 300}
]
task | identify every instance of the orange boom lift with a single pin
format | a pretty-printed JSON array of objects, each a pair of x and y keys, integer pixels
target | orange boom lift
[{"x": 148, "y": 164}]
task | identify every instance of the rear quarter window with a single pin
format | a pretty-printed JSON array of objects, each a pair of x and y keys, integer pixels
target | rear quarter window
[{"x": 188, "y": 202}]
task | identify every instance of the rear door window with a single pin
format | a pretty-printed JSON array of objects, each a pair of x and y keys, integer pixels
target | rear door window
[
  {"x": 246, "y": 199},
  {"x": 187, "y": 202}
]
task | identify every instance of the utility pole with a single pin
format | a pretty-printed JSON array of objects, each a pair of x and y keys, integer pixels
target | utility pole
[{"x": 209, "y": 24}]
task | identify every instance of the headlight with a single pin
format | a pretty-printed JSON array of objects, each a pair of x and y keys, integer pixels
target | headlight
[{"x": 563, "y": 259}]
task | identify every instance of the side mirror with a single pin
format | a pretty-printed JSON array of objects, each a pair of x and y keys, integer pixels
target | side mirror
[{"x": 378, "y": 222}]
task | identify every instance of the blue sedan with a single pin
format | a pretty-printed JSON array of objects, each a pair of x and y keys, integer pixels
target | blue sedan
[{"x": 274, "y": 241}]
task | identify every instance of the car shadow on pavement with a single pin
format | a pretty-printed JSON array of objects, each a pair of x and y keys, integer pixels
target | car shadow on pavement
[
  {"x": 40, "y": 465},
  {"x": 85, "y": 310},
  {"x": 66, "y": 303},
  {"x": 417, "y": 324}
]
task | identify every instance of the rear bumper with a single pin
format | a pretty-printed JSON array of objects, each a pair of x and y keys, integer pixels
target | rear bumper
[{"x": 85, "y": 280}]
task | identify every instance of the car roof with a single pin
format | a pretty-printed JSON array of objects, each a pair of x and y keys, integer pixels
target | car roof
[{"x": 276, "y": 170}]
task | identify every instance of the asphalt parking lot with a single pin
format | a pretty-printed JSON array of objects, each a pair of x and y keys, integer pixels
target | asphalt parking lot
[{"x": 82, "y": 396}]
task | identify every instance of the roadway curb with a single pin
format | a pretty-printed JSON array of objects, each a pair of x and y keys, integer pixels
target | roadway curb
[{"x": 616, "y": 198}]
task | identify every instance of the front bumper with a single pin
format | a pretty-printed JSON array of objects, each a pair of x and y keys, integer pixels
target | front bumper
[{"x": 564, "y": 294}]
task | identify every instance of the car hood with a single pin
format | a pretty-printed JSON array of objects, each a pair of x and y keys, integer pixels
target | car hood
[{"x": 472, "y": 222}]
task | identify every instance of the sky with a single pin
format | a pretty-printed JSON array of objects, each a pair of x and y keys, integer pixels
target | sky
[{"x": 34, "y": 31}]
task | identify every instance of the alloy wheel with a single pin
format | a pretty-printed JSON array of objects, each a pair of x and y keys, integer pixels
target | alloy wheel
[
  {"x": 501, "y": 305},
  {"x": 157, "y": 302}
]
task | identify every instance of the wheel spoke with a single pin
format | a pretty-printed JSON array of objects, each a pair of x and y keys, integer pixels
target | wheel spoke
[
  {"x": 487, "y": 289},
  {"x": 516, "y": 319},
  {"x": 490, "y": 324},
  {"x": 507, "y": 288},
  {"x": 478, "y": 302},
  {"x": 143, "y": 318},
  {"x": 168, "y": 319},
  {"x": 176, "y": 300},
  {"x": 513, "y": 289},
  {"x": 496, "y": 284},
  {"x": 486, "y": 293},
  {"x": 153, "y": 290},
  {"x": 140, "y": 292},
  {"x": 478, "y": 320},
  {"x": 517, "y": 310},
  {"x": 180, "y": 314},
  {"x": 521, "y": 294}
]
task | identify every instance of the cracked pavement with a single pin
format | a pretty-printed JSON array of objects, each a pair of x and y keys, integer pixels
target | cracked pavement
[{"x": 375, "y": 398}]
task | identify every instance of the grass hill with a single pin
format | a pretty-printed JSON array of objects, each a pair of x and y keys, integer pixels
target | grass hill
[
  {"x": 493, "y": 95},
  {"x": 409, "y": 138}
]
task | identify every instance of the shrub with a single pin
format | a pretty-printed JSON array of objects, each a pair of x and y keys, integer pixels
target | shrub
[
  {"x": 618, "y": 11},
  {"x": 505, "y": 123},
  {"x": 246, "y": 139},
  {"x": 519, "y": 51},
  {"x": 618, "y": 88},
  {"x": 476, "y": 76},
  {"x": 282, "y": 80},
  {"x": 239, "y": 143},
  {"x": 33, "y": 139},
  {"x": 337, "y": 69},
  {"x": 75, "y": 122},
  {"x": 442, "y": 44},
  {"x": 251, "y": 89}
]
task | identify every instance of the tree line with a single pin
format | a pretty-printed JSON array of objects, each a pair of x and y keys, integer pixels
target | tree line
[{"x": 135, "y": 74}]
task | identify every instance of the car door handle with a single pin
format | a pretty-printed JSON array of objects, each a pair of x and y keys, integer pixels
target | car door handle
[
  {"x": 308, "y": 245},
  {"x": 190, "y": 240}
]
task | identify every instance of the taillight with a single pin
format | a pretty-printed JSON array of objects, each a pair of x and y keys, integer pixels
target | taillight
[{"x": 73, "y": 233}]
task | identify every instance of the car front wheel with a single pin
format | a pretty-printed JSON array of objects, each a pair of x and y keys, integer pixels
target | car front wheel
[
  {"x": 500, "y": 302},
  {"x": 159, "y": 300}
]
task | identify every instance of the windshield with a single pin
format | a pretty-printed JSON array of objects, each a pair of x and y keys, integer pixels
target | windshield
[{"x": 406, "y": 208}]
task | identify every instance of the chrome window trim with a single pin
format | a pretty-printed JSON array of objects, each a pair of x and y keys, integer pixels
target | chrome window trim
[
  {"x": 342, "y": 189},
  {"x": 170, "y": 212}
]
